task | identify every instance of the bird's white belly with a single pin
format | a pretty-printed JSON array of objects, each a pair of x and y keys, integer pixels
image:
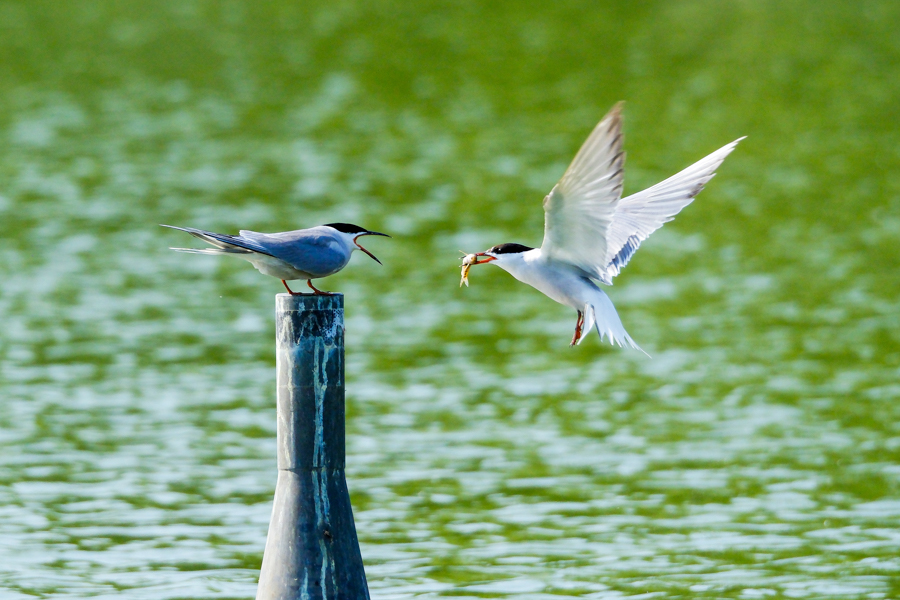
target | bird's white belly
[
  {"x": 269, "y": 265},
  {"x": 560, "y": 285}
]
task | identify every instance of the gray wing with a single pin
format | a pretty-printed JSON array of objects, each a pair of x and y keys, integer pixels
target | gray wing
[
  {"x": 312, "y": 251},
  {"x": 640, "y": 214}
]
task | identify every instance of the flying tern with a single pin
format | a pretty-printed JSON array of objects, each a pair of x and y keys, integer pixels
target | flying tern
[
  {"x": 591, "y": 231},
  {"x": 302, "y": 254}
]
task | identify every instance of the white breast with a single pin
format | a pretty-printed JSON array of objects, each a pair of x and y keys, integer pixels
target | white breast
[
  {"x": 269, "y": 265},
  {"x": 556, "y": 280}
]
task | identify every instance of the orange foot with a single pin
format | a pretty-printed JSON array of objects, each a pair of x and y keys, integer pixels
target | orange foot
[
  {"x": 579, "y": 325},
  {"x": 315, "y": 291}
]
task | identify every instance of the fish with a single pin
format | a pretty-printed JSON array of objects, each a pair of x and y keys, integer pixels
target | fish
[{"x": 468, "y": 261}]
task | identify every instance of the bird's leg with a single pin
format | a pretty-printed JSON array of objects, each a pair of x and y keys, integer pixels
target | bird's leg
[
  {"x": 578, "y": 326},
  {"x": 315, "y": 291},
  {"x": 290, "y": 291}
]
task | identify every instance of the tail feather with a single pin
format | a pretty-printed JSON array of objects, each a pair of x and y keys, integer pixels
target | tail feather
[
  {"x": 602, "y": 315},
  {"x": 588, "y": 313},
  {"x": 212, "y": 250},
  {"x": 206, "y": 236},
  {"x": 223, "y": 241}
]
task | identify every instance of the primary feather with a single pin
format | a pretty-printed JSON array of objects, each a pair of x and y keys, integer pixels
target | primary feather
[
  {"x": 587, "y": 223},
  {"x": 579, "y": 209},
  {"x": 640, "y": 214}
]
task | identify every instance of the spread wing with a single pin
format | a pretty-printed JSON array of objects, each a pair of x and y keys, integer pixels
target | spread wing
[
  {"x": 640, "y": 214},
  {"x": 579, "y": 210},
  {"x": 588, "y": 224}
]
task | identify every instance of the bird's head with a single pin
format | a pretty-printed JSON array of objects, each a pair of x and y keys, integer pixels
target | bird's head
[
  {"x": 501, "y": 253},
  {"x": 353, "y": 233}
]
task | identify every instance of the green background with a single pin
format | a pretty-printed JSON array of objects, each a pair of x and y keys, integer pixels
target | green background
[{"x": 754, "y": 456}]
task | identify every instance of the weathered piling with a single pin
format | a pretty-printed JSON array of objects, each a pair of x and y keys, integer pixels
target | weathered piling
[{"x": 311, "y": 550}]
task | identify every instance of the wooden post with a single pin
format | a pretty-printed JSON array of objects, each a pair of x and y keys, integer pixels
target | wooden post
[{"x": 311, "y": 550}]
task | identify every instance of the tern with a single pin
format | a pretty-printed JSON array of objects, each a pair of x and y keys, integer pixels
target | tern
[
  {"x": 302, "y": 254},
  {"x": 591, "y": 231}
]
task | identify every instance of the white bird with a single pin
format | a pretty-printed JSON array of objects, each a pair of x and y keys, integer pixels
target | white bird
[
  {"x": 302, "y": 254},
  {"x": 591, "y": 232}
]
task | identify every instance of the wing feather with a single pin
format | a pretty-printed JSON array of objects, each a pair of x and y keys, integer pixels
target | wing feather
[
  {"x": 580, "y": 208},
  {"x": 314, "y": 250},
  {"x": 221, "y": 240},
  {"x": 640, "y": 214},
  {"x": 587, "y": 223}
]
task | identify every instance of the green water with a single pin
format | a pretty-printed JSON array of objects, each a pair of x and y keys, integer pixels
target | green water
[{"x": 757, "y": 455}]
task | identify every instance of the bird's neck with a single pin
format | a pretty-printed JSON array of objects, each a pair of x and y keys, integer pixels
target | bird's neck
[{"x": 521, "y": 263}]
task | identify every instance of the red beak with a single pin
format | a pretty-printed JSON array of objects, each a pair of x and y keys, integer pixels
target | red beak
[
  {"x": 375, "y": 258},
  {"x": 486, "y": 260}
]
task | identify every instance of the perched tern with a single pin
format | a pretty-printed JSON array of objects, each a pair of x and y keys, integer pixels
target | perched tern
[
  {"x": 302, "y": 254},
  {"x": 591, "y": 232}
]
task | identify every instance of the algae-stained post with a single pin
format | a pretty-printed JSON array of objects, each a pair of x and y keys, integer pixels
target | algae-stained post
[{"x": 311, "y": 550}]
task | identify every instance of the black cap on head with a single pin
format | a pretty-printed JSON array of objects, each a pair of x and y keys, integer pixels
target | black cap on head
[
  {"x": 509, "y": 249},
  {"x": 346, "y": 228}
]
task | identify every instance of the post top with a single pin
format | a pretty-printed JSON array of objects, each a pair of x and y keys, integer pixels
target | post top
[{"x": 309, "y": 302}]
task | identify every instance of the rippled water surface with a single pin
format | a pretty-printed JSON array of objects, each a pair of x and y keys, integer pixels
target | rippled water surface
[{"x": 756, "y": 455}]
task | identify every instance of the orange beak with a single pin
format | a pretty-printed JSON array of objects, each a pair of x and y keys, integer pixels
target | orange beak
[{"x": 486, "y": 260}]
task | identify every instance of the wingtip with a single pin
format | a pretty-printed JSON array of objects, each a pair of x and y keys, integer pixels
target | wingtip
[
  {"x": 727, "y": 149},
  {"x": 613, "y": 117},
  {"x": 736, "y": 142},
  {"x": 615, "y": 113}
]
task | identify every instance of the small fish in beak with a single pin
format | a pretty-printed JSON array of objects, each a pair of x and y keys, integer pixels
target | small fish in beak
[{"x": 468, "y": 261}]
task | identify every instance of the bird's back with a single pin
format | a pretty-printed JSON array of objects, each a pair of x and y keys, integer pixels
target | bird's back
[{"x": 314, "y": 251}]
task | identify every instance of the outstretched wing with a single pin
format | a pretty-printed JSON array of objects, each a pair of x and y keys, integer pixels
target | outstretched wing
[
  {"x": 579, "y": 210},
  {"x": 640, "y": 214}
]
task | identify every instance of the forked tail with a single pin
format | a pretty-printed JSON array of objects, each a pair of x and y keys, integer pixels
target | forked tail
[
  {"x": 212, "y": 250},
  {"x": 601, "y": 315}
]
